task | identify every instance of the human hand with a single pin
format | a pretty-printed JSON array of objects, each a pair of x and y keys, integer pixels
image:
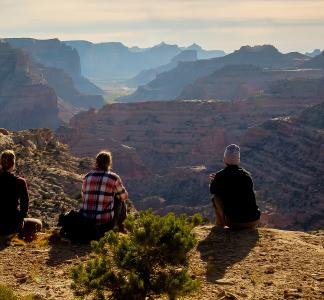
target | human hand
[{"x": 212, "y": 176}]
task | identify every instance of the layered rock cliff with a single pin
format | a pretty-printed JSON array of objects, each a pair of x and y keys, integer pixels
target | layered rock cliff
[
  {"x": 179, "y": 143},
  {"x": 146, "y": 76},
  {"x": 54, "y": 53},
  {"x": 286, "y": 156},
  {"x": 60, "y": 67},
  {"x": 53, "y": 175},
  {"x": 115, "y": 61},
  {"x": 245, "y": 81},
  {"x": 168, "y": 85},
  {"x": 26, "y": 99}
]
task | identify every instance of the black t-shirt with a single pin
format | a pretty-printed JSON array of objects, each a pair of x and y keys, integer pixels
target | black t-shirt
[
  {"x": 234, "y": 187},
  {"x": 14, "y": 198}
]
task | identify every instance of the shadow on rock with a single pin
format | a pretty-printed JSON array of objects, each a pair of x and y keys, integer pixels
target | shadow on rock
[
  {"x": 63, "y": 251},
  {"x": 4, "y": 242},
  {"x": 224, "y": 247}
]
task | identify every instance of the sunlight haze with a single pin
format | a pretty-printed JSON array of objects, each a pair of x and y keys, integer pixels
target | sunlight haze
[{"x": 213, "y": 24}]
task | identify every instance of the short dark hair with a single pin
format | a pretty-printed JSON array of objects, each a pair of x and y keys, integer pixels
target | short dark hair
[{"x": 104, "y": 160}]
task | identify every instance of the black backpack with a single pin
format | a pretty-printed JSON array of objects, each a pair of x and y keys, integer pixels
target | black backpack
[{"x": 78, "y": 228}]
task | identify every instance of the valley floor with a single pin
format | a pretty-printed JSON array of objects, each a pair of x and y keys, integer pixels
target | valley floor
[{"x": 251, "y": 264}]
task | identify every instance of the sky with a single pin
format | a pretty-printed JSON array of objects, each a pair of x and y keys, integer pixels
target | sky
[{"x": 290, "y": 25}]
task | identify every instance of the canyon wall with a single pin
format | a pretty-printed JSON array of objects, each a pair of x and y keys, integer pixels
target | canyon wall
[
  {"x": 26, "y": 100},
  {"x": 173, "y": 146}
]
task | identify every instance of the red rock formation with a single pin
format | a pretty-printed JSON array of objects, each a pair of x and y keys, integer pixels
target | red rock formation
[
  {"x": 26, "y": 101},
  {"x": 181, "y": 142},
  {"x": 244, "y": 81}
]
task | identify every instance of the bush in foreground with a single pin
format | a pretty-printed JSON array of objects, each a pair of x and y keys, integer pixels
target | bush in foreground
[
  {"x": 152, "y": 259},
  {"x": 7, "y": 293}
]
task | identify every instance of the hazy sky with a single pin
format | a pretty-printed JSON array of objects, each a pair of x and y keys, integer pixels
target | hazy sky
[{"x": 214, "y": 24}]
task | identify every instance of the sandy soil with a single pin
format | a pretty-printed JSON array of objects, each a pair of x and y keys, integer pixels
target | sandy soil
[{"x": 250, "y": 264}]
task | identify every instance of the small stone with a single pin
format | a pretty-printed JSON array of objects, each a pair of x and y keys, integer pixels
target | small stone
[
  {"x": 20, "y": 275},
  {"x": 224, "y": 282},
  {"x": 269, "y": 270},
  {"x": 22, "y": 279}
]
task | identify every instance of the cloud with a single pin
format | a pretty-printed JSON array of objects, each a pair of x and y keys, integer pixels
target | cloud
[{"x": 143, "y": 21}]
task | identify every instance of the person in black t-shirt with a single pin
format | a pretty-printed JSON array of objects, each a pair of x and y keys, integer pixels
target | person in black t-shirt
[
  {"x": 14, "y": 201},
  {"x": 233, "y": 195}
]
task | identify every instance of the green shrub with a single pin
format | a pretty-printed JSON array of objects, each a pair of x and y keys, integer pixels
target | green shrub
[
  {"x": 152, "y": 259},
  {"x": 6, "y": 293}
]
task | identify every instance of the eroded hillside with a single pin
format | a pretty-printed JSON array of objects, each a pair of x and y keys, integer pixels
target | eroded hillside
[
  {"x": 53, "y": 175},
  {"x": 165, "y": 151}
]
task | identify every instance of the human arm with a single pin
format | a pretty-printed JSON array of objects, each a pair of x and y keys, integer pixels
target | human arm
[
  {"x": 23, "y": 198},
  {"x": 119, "y": 190},
  {"x": 215, "y": 183}
]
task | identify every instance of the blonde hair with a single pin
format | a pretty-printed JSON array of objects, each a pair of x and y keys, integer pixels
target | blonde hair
[
  {"x": 7, "y": 159},
  {"x": 104, "y": 160}
]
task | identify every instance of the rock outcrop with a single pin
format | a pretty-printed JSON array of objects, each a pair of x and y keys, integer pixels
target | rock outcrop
[
  {"x": 64, "y": 87},
  {"x": 59, "y": 66},
  {"x": 53, "y": 53},
  {"x": 286, "y": 156},
  {"x": 26, "y": 100},
  {"x": 53, "y": 175}
]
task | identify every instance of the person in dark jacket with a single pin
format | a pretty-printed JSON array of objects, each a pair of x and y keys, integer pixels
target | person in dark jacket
[
  {"x": 233, "y": 195},
  {"x": 14, "y": 200}
]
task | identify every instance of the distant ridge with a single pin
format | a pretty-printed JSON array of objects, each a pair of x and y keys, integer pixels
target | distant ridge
[
  {"x": 115, "y": 61},
  {"x": 316, "y": 62},
  {"x": 314, "y": 53},
  {"x": 26, "y": 100},
  {"x": 60, "y": 66},
  {"x": 148, "y": 75},
  {"x": 168, "y": 85},
  {"x": 54, "y": 53},
  {"x": 238, "y": 82}
]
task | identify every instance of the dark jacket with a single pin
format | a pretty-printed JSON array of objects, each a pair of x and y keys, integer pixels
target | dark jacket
[
  {"x": 14, "y": 200},
  {"x": 234, "y": 187}
]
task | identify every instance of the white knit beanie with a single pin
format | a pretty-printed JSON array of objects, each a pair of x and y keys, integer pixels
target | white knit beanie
[{"x": 232, "y": 155}]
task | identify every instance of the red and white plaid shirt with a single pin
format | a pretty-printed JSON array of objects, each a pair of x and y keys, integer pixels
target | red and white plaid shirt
[{"x": 98, "y": 191}]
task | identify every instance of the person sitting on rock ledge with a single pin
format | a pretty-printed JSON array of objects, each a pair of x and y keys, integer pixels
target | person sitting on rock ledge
[
  {"x": 104, "y": 196},
  {"x": 14, "y": 201},
  {"x": 233, "y": 195}
]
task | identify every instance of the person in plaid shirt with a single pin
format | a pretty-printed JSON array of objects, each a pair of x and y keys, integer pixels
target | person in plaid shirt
[{"x": 103, "y": 195}]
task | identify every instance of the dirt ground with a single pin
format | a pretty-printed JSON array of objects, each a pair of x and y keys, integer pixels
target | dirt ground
[{"x": 249, "y": 264}]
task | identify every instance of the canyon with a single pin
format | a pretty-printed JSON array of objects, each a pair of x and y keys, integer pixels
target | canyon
[
  {"x": 169, "y": 85},
  {"x": 26, "y": 100},
  {"x": 113, "y": 61},
  {"x": 165, "y": 151}
]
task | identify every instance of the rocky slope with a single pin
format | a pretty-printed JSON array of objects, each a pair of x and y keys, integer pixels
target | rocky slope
[
  {"x": 115, "y": 61},
  {"x": 244, "y": 81},
  {"x": 168, "y": 85},
  {"x": 286, "y": 156},
  {"x": 53, "y": 175},
  {"x": 53, "y": 53},
  {"x": 26, "y": 99},
  {"x": 64, "y": 87},
  {"x": 265, "y": 264},
  {"x": 316, "y": 62},
  {"x": 180, "y": 142},
  {"x": 146, "y": 76}
]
